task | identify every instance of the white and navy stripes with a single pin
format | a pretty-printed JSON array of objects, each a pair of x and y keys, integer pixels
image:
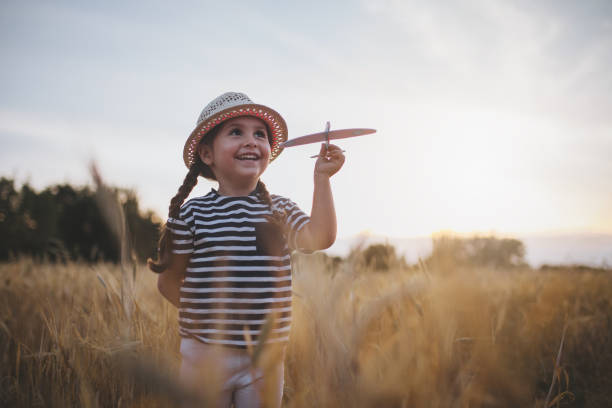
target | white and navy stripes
[{"x": 240, "y": 267}]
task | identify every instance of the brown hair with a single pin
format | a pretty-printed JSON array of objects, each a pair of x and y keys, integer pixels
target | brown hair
[{"x": 199, "y": 168}]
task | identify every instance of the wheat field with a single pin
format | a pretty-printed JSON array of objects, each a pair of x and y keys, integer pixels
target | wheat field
[{"x": 82, "y": 335}]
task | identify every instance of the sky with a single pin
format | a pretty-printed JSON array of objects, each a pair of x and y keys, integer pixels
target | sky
[{"x": 492, "y": 116}]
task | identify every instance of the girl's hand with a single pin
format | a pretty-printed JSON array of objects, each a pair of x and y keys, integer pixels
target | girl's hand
[{"x": 329, "y": 161}]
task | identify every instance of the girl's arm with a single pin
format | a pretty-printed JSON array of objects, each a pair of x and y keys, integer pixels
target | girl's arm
[
  {"x": 320, "y": 232},
  {"x": 169, "y": 281}
]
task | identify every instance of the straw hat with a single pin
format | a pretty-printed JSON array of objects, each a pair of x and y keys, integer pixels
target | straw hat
[{"x": 231, "y": 105}]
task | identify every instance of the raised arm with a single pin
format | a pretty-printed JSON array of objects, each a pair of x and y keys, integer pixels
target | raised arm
[{"x": 320, "y": 232}]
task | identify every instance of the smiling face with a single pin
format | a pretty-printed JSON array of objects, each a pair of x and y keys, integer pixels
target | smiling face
[{"x": 239, "y": 154}]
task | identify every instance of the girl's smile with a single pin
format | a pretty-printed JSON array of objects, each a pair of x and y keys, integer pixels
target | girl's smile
[{"x": 239, "y": 154}]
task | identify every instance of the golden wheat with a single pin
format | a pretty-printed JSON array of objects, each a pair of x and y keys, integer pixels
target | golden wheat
[{"x": 360, "y": 338}]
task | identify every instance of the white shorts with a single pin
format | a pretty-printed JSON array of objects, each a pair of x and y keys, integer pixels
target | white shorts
[{"x": 230, "y": 370}]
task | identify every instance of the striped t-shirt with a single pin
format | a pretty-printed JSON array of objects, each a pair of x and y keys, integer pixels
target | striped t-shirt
[{"x": 240, "y": 267}]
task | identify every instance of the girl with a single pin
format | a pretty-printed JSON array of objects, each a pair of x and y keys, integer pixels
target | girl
[{"x": 225, "y": 257}]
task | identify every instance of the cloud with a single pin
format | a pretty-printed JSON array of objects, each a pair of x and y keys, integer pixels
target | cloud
[{"x": 548, "y": 60}]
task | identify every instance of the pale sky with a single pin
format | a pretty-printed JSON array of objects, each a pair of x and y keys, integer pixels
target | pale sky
[{"x": 492, "y": 116}]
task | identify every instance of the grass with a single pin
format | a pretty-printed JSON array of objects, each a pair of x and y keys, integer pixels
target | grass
[{"x": 471, "y": 338}]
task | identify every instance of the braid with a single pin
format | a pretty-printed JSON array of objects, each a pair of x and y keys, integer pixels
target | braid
[
  {"x": 165, "y": 241},
  {"x": 191, "y": 179},
  {"x": 277, "y": 216}
]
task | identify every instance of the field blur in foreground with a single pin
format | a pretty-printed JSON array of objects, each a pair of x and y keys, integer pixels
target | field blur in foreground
[{"x": 74, "y": 335}]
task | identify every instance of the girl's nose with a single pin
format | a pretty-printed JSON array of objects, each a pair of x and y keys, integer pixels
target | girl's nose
[{"x": 251, "y": 140}]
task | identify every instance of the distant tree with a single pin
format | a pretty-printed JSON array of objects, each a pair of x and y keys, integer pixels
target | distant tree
[
  {"x": 10, "y": 223},
  {"x": 65, "y": 222},
  {"x": 380, "y": 256},
  {"x": 81, "y": 227},
  {"x": 500, "y": 253},
  {"x": 143, "y": 227},
  {"x": 377, "y": 257}
]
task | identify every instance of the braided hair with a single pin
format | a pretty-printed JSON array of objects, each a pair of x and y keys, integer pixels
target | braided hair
[
  {"x": 198, "y": 168},
  {"x": 165, "y": 241},
  {"x": 278, "y": 217}
]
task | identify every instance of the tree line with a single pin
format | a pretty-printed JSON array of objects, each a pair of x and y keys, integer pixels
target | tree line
[
  {"x": 64, "y": 222},
  {"x": 449, "y": 253}
]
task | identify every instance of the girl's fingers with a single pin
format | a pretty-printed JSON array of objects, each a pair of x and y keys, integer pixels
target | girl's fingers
[
  {"x": 330, "y": 148},
  {"x": 330, "y": 158},
  {"x": 334, "y": 150},
  {"x": 336, "y": 155}
]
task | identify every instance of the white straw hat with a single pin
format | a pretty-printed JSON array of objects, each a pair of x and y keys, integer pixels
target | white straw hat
[{"x": 231, "y": 105}]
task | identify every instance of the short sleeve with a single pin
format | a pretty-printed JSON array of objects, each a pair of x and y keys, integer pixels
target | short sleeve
[
  {"x": 182, "y": 236},
  {"x": 295, "y": 219}
]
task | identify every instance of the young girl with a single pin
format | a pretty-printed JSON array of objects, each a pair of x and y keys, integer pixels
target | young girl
[{"x": 225, "y": 257}]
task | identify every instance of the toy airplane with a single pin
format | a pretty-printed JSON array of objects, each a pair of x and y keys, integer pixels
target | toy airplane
[{"x": 326, "y": 136}]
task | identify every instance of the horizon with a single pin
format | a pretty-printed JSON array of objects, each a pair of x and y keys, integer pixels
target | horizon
[{"x": 563, "y": 248}]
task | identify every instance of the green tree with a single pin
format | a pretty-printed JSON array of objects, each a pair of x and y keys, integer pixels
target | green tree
[
  {"x": 65, "y": 222},
  {"x": 10, "y": 227}
]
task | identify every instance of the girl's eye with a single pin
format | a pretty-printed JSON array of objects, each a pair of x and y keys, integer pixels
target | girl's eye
[
  {"x": 261, "y": 134},
  {"x": 235, "y": 131}
]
